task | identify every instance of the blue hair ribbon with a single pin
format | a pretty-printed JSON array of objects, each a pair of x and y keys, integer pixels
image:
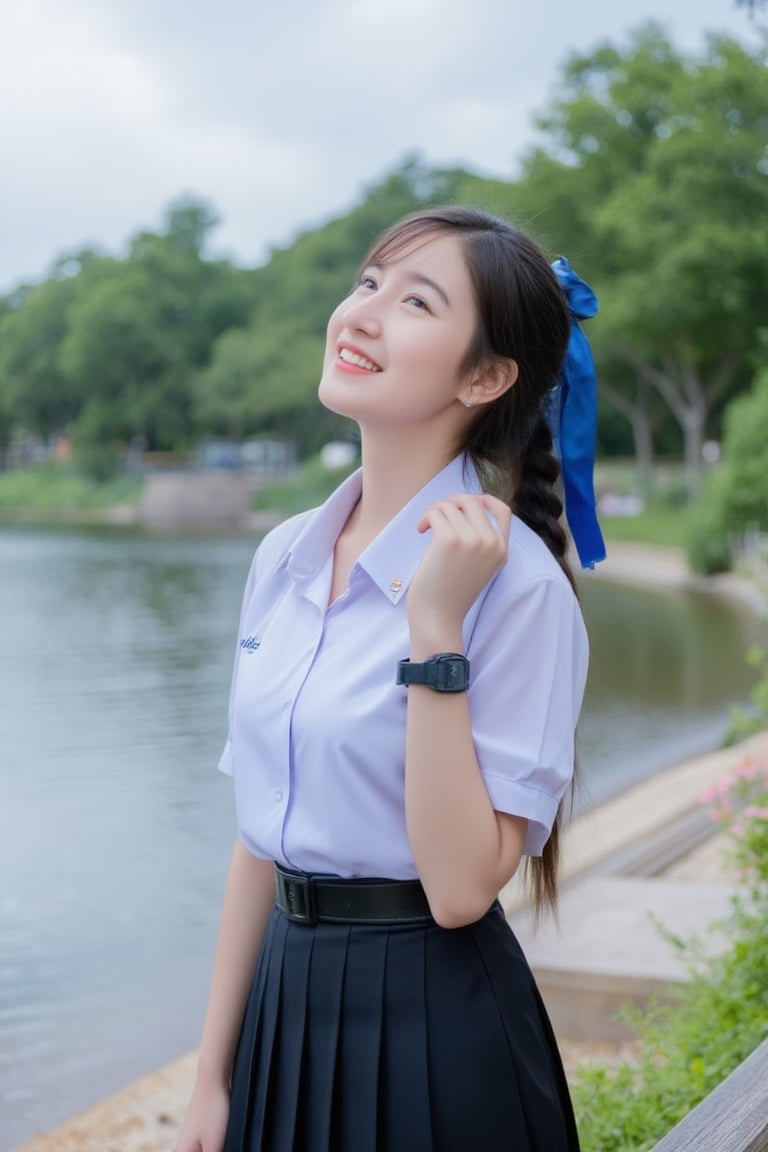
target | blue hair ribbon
[{"x": 572, "y": 416}]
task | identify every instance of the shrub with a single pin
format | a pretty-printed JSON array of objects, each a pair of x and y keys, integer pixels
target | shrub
[
  {"x": 686, "y": 1049},
  {"x": 98, "y": 462},
  {"x": 745, "y": 448},
  {"x": 735, "y": 498},
  {"x": 707, "y": 545},
  {"x": 754, "y": 719}
]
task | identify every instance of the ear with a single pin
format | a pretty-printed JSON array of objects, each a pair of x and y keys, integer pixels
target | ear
[{"x": 490, "y": 381}]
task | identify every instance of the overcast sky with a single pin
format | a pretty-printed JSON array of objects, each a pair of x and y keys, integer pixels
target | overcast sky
[{"x": 279, "y": 114}]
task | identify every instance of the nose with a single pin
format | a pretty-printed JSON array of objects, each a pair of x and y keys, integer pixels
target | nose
[{"x": 362, "y": 314}]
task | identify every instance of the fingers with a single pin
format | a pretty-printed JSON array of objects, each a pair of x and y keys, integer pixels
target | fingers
[{"x": 480, "y": 518}]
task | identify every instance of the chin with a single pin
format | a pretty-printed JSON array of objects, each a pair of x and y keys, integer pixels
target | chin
[{"x": 334, "y": 400}]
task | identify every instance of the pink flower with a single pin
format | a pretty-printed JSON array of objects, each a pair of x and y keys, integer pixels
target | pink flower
[{"x": 755, "y": 812}]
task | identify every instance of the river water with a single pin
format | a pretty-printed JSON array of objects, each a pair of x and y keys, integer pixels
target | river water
[{"x": 116, "y": 829}]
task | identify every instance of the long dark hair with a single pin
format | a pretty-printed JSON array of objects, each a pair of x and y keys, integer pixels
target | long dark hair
[{"x": 522, "y": 316}]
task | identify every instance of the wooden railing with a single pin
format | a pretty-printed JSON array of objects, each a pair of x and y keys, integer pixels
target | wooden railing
[{"x": 733, "y": 1118}]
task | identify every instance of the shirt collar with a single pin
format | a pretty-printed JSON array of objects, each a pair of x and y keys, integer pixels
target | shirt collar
[
  {"x": 314, "y": 544},
  {"x": 392, "y": 558}
]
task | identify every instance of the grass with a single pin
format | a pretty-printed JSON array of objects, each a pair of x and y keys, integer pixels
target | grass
[
  {"x": 57, "y": 488},
  {"x": 308, "y": 487},
  {"x": 661, "y": 525}
]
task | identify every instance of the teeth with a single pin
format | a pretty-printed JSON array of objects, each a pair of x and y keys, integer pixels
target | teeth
[{"x": 360, "y": 361}]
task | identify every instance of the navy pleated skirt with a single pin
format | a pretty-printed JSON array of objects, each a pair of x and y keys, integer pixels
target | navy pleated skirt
[{"x": 397, "y": 1038}]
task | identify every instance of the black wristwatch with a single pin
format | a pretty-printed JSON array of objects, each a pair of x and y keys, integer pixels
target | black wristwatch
[{"x": 446, "y": 672}]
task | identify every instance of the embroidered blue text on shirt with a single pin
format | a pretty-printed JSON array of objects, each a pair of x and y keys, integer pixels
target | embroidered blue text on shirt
[{"x": 250, "y": 643}]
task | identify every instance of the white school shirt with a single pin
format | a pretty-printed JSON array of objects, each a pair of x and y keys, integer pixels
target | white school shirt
[{"x": 316, "y": 740}]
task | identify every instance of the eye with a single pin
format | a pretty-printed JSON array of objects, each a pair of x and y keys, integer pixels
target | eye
[
  {"x": 417, "y": 302},
  {"x": 367, "y": 281}
]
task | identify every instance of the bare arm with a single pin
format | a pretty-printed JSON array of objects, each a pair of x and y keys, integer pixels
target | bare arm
[
  {"x": 248, "y": 902},
  {"x": 464, "y": 850}
]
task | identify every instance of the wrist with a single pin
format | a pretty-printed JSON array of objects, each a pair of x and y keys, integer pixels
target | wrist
[
  {"x": 428, "y": 637},
  {"x": 443, "y": 672},
  {"x": 211, "y": 1078}
]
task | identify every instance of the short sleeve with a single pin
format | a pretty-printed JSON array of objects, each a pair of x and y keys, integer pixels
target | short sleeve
[{"x": 529, "y": 657}]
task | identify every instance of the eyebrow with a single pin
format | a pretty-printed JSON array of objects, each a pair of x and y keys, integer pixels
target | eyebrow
[
  {"x": 429, "y": 283},
  {"x": 420, "y": 278}
]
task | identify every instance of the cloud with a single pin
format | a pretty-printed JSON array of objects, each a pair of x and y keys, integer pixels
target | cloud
[{"x": 278, "y": 113}]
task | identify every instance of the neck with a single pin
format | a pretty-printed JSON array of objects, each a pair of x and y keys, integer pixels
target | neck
[{"x": 394, "y": 470}]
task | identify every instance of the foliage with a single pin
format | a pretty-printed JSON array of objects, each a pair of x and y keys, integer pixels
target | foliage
[
  {"x": 259, "y": 379},
  {"x": 706, "y": 543},
  {"x": 107, "y": 349},
  {"x": 98, "y": 461},
  {"x": 34, "y": 390},
  {"x": 57, "y": 487},
  {"x": 735, "y": 499},
  {"x": 686, "y": 1049},
  {"x": 707, "y": 547},
  {"x": 653, "y": 179},
  {"x": 755, "y": 719},
  {"x": 745, "y": 449}
]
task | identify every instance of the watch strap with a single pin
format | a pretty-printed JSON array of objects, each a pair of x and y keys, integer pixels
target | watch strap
[{"x": 445, "y": 672}]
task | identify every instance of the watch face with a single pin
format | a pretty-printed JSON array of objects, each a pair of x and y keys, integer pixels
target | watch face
[{"x": 451, "y": 674}]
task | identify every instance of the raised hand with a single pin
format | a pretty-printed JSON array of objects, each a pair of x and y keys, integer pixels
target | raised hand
[{"x": 470, "y": 536}]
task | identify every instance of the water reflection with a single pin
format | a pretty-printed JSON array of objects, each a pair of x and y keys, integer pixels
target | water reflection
[
  {"x": 664, "y": 670},
  {"x": 666, "y": 648}
]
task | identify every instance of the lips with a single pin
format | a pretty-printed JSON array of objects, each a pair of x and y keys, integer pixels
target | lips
[{"x": 356, "y": 358}]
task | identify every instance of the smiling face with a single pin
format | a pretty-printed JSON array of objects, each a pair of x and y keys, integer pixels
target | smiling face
[{"x": 396, "y": 346}]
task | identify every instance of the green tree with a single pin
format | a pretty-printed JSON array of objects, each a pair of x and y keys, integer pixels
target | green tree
[
  {"x": 251, "y": 386},
  {"x": 653, "y": 179},
  {"x": 141, "y": 328},
  {"x": 36, "y": 394}
]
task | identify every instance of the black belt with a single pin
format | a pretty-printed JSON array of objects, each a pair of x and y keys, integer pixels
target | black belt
[{"x": 307, "y": 898}]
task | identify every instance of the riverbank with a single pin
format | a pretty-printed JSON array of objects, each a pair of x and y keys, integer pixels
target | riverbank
[{"x": 654, "y": 566}]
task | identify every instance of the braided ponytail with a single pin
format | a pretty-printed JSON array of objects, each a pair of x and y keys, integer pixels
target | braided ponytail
[
  {"x": 536, "y": 500},
  {"x": 522, "y": 317},
  {"x": 538, "y": 504}
]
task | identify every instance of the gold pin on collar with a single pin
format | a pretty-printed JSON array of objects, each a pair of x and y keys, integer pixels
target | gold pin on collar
[{"x": 395, "y": 586}]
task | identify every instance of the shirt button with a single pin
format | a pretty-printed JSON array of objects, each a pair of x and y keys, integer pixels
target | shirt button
[{"x": 278, "y": 794}]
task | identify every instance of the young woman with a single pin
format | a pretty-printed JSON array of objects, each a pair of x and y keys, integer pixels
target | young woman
[{"x": 411, "y": 668}]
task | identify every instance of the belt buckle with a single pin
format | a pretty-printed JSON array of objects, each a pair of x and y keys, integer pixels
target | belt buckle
[{"x": 298, "y": 897}]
